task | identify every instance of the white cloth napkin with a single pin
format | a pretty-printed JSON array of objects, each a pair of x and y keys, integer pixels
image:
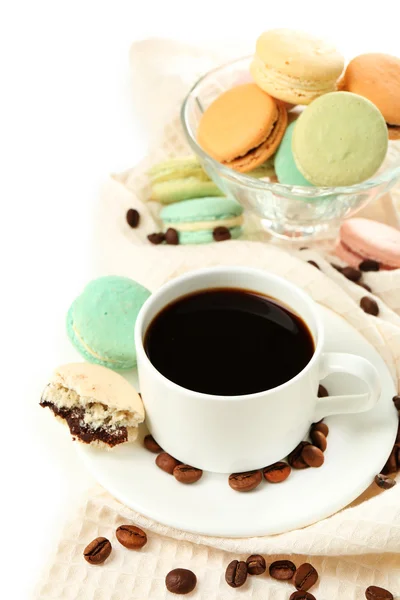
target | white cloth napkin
[{"x": 351, "y": 550}]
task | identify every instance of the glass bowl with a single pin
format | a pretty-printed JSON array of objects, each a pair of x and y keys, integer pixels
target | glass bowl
[{"x": 286, "y": 211}]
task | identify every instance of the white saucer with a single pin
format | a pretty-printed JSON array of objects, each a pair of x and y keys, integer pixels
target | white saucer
[{"x": 358, "y": 446}]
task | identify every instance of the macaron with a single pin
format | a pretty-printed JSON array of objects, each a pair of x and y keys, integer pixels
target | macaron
[
  {"x": 377, "y": 77},
  {"x": 243, "y": 127},
  {"x": 100, "y": 407},
  {"x": 364, "y": 239},
  {"x": 101, "y": 321},
  {"x": 339, "y": 140},
  {"x": 204, "y": 220},
  {"x": 294, "y": 66},
  {"x": 285, "y": 166}
]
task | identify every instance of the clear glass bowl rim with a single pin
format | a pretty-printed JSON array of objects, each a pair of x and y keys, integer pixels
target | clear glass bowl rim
[{"x": 278, "y": 188}]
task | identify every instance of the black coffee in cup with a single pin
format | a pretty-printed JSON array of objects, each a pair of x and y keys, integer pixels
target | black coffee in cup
[{"x": 228, "y": 342}]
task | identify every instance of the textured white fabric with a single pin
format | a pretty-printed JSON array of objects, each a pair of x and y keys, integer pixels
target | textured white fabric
[{"x": 358, "y": 546}]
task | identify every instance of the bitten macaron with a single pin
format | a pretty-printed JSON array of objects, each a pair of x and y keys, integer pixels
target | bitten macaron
[
  {"x": 364, "y": 239},
  {"x": 294, "y": 66},
  {"x": 377, "y": 77},
  {"x": 243, "y": 127},
  {"x": 101, "y": 321},
  {"x": 204, "y": 220},
  {"x": 339, "y": 140}
]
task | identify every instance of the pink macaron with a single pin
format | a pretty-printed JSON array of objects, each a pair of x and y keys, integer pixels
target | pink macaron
[{"x": 364, "y": 239}]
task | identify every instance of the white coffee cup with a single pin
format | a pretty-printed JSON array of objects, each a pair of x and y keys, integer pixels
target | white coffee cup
[{"x": 229, "y": 434}]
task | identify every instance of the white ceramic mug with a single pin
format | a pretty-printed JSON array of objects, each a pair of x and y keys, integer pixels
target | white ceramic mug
[{"x": 229, "y": 434}]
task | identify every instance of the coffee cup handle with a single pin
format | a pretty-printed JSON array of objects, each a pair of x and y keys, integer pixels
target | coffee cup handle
[{"x": 339, "y": 362}]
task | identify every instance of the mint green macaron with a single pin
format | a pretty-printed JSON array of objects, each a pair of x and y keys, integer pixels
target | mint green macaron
[
  {"x": 195, "y": 220},
  {"x": 101, "y": 321},
  {"x": 340, "y": 139},
  {"x": 285, "y": 167}
]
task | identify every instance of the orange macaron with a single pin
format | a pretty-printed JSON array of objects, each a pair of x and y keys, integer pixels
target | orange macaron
[
  {"x": 377, "y": 78},
  {"x": 243, "y": 127}
]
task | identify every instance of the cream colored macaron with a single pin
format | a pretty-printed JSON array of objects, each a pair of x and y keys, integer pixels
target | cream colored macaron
[{"x": 294, "y": 66}]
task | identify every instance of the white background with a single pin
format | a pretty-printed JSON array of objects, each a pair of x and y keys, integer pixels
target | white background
[{"x": 67, "y": 120}]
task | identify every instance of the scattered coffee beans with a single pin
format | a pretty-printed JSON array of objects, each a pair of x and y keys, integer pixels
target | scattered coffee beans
[
  {"x": 245, "y": 482},
  {"x": 391, "y": 463},
  {"x": 187, "y": 474},
  {"x": 180, "y": 581},
  {"x": 166, "y": 462},
  {"x": 318, "y": 439},
  {"x": 377, "y": 593},
  {"x": 156, "y": 238},
  {"x": 172, "y": 237},
  {"x": 369, "y": 265},
  {"x": 133, "y": 218},
  {"x": 295, "y": 459},
  {"x": 151, "y": 444},
  {"x": 236, "y": 573},
  {"x": 364, "y": 285},
  {"x": 396, "y": 402},
  {"x": 322, "y": 391},
  {"x": 314, "y": 264},
  {"x": 282, "y": 570},
  {"x": 131, "y": 537},
  {"x": 299, "y": 595},
  {"x": 305, "y": 577},
  {"x": 220, "y": 234},
  {"x": 256, "y": 564},
  {"x": 277, "y": 472},
  {"x": 370, "y": 306},
  {"x": 351, "y": 274},
  {"x": 312, "y": 456},
  {"x": 384, "y": 482},
  {"x": 322, "y": 427},
  {"x": 97, "y": 551}
]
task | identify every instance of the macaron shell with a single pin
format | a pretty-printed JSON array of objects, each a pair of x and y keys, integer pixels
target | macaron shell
[
  {"x": 285, "y": 166},
  {"x": 236, "y": 122},
  {"x": 376, "y": 77},
  {"x": 205, "y": 236},
  {"x": 340, "y": 139},
  {"x": 201, "y": 209},
  {"x": 371, "y": 239},
  {"x": 348, "y": 257}
]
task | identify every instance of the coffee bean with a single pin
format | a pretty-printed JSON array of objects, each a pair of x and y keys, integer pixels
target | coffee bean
[
  {"x": 351, "y": 274},
  {"x": 364, "y": 285},
  {"x": 319, "y": 440},
  {"x": 282, "y": 570},
  {"x": 166, "y": 462},
  {"x": 313, "y": 456},
  {"x": 299, "y": 595},
  {"x": 180, "y": 581},
  {"x": 256, "y": 564},
  {"x": 236, "y": 573},
  {"x": 370, "y": 306},
  {"x": 369, "y": 265},
  {"x": 377, "y": 593},
  {"x": 220, "y": 234},
  {"x": 156, "y": 238},
  {"x": 396, "y": 402},
  {"x": 151, "y": 444},
  {"x": 305, "y": 577},
  {"x": 314, "y": 264},
  {"x": 97, "y": 551},
  {"x": 133, "y": 218},
  {"x": 384, "y": 482},
  {"x": 322, "y": 391},
  {"x": 322, "y": 427},
  {"x": 131, "y": 537},
  {"x": 245, "y": 482},
  {"x": 295, "y": 459},
  {"x": 304, "y": 248},
  {"x": 172, "y": 237},
  {"x": 187, "y": 474},
  {"x": 277, "y": 472},
  {"x": 391, "y": 463}
]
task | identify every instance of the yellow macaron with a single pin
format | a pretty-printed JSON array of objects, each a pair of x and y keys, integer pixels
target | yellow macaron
[
  {"x": 294, "y": 66},
  {"x": 243, "y": 127}
]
